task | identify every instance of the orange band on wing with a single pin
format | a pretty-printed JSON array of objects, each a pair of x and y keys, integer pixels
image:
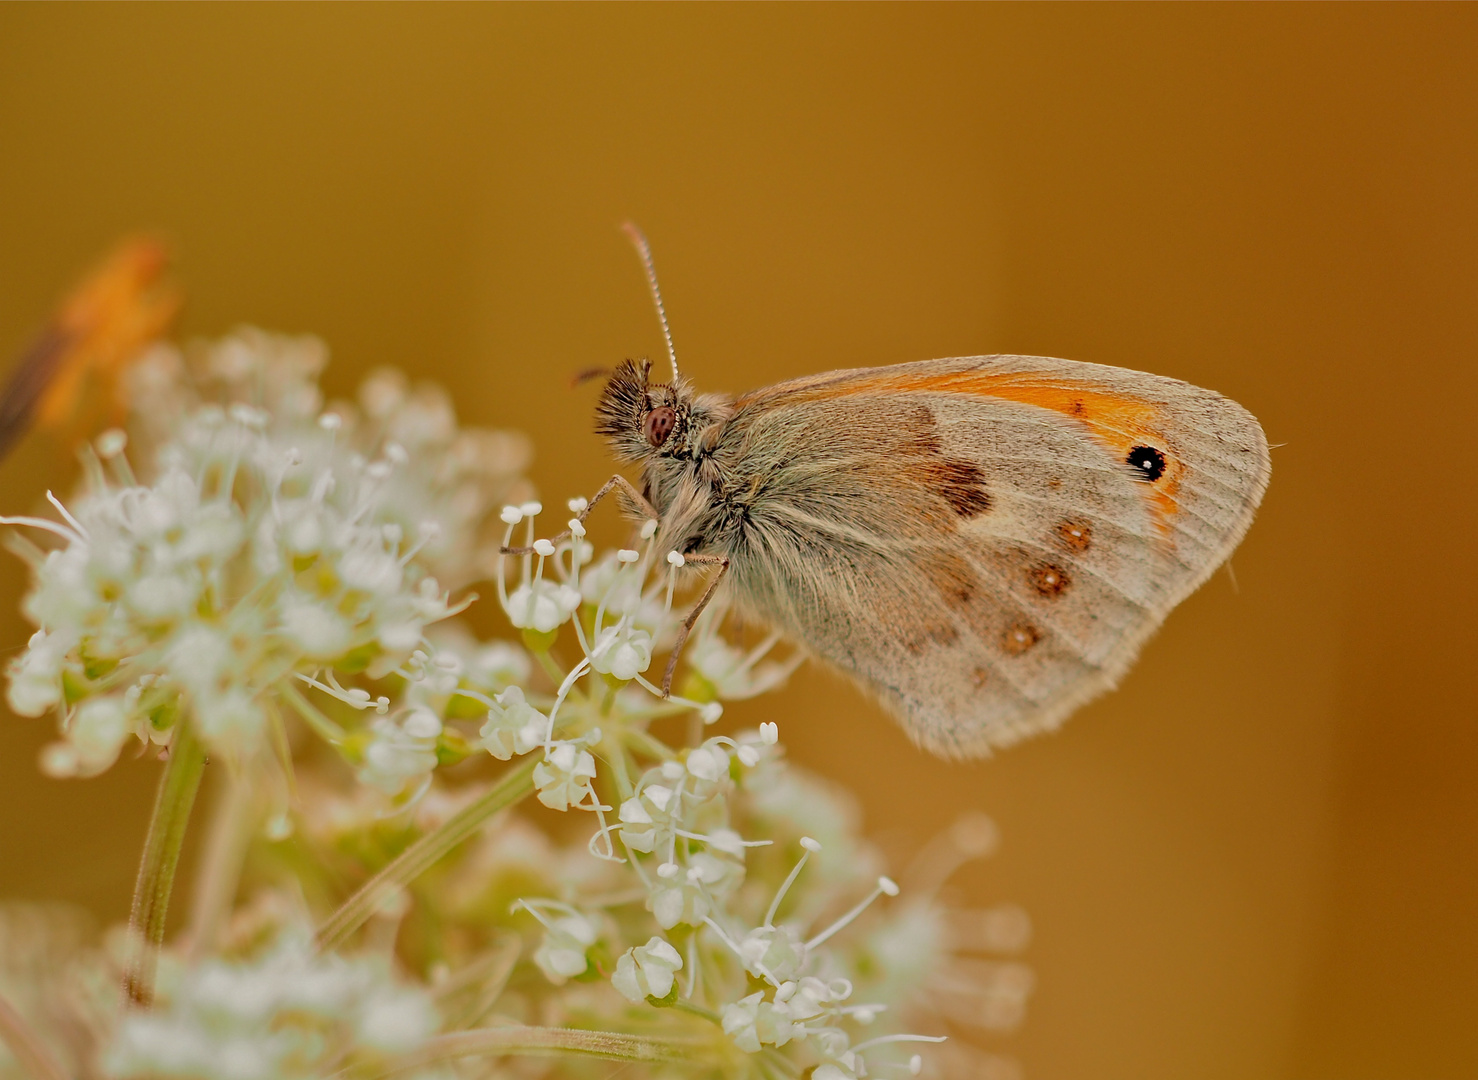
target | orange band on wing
[{"x": 1116, "y": 422}]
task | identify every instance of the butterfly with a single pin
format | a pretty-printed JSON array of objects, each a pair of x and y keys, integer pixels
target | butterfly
[
  {"x": 983, "y": 543},
  {"x": 69, "y": 376}
]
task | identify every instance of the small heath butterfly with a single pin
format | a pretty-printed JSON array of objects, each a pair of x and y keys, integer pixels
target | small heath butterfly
[{"x": 983, "y": 542}]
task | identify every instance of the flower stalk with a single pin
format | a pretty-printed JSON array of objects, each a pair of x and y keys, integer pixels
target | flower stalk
[
  {"x": 527, "y": 1041},
  {"x": 415, "y": 860},
  {"x": 167, "y": 826},
  {"x": 26, "y": 1047}
]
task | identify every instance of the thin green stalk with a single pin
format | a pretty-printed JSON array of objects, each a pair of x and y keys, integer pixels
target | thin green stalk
[
  {"x": 325, "y": 728},
  {"x": 420, "y": 856},
  {"x": 220, "y": 865},
  {"x": 553, "y": 670},
  {"x": 698, "y": 1010},
  {"x": 26, "y": 1047},
  {"x": 550, "y": 1042},
  {"x": 172, "y": 806}
]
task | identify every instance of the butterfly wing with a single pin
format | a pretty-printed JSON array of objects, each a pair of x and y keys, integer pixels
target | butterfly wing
[{"x": 984, "y": 542}]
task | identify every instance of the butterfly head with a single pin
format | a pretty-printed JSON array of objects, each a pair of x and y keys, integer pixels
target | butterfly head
[{"x": 644, "y": 420}]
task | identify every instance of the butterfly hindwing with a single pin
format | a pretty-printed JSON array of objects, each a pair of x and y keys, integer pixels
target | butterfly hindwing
[{"x": 986, "y": 542}]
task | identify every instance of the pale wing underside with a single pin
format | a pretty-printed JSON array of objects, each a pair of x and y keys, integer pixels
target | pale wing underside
[{"x": 969, "y": 539}]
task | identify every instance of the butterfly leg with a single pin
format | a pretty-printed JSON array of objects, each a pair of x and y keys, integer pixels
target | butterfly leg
[
  {"x": 687, "y": 627},
  {"x": 617, "y": 481}
]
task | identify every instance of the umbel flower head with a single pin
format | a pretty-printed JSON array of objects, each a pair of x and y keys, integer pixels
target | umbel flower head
[
  {"x": 283, "y": 1014},
  {"x": 257, "y": 552},
  {"x": 277, "y": 560}
]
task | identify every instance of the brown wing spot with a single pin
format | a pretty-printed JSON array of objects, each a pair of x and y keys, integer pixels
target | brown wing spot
[
  {"x": 1049, "y": 580},
  {"x": 1075, "y": 535},
  {"x": 941, "y": 635},
  {"x": 979, "y": 677},
  {"x": 952, "y": 576},
  {"x": 959, "y": 483},
  {"x": 1020, "y": 637}
]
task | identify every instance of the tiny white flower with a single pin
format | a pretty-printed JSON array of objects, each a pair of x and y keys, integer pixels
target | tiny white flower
[
  {"x": 542, "y": 605},
  {"x": 315, "y": 628},
  {"x": 647, "y": 970},
  {"x": 648, "y": 817},
  {"x": 689, "y": 896},
  {"x": 97, "y": 732},
  {"x": 165, "y": 595},
  {"x": 399, "y": 753},
  {"x": 734, "y": 675},
  {"x": 622, "y": 652},
  {"x": 36, "y": 674},
  {"x": 753, "y": 1022},
  {"x": 370, "y": 568},
  {"x": 498, "y": 664},
  {"x": 811, "y": 997},
  {"x": 773, "y": 952},
  {"x": 563, "y": 778},
  {"x": 233, "y": 719},
  {"x": 709, "y": 762},
  {"x": 562, "y": 955},
  {"x": 513, "y": 726}
]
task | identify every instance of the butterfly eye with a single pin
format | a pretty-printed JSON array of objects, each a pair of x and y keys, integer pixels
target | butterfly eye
[{"x": 659, "y": 424}]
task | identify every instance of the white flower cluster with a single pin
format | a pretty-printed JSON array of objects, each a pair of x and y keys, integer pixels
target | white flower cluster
[
  {"x": 677, "y": 822},
  {"x": 283, "y": 1015},
  {"x": 278, "y": 558},
  {"x": 264, "y": 547}
]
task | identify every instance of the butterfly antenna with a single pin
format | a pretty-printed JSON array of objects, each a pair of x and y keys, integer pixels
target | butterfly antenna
[{"x": 644, "y": 249}]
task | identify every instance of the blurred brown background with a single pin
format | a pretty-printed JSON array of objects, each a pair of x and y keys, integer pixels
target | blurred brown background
[{"x": 1260, "y": 857}]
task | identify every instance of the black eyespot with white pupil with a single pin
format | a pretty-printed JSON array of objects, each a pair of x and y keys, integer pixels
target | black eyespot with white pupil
[
  {"x": 658, "y": 424},
  {"x": 1147, "y": 463}
]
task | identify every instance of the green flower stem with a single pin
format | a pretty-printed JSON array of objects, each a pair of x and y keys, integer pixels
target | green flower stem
[
  {"x": 327, "y": 730},
  {"x": 698, "y": 1010},
  {"x": 647, "y": 745},
  {"x": 177, "y": 789},
  {"x": 220, "y": 866},
  {"x": 551, "y": 669},
  {"x": 547, "y": 1041},
  {"x": 26, "y": 1047},
  {"x": 515, "y": 784}
]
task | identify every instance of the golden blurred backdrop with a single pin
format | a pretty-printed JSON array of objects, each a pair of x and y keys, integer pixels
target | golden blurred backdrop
[{"x": 1259, "y": 858}]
